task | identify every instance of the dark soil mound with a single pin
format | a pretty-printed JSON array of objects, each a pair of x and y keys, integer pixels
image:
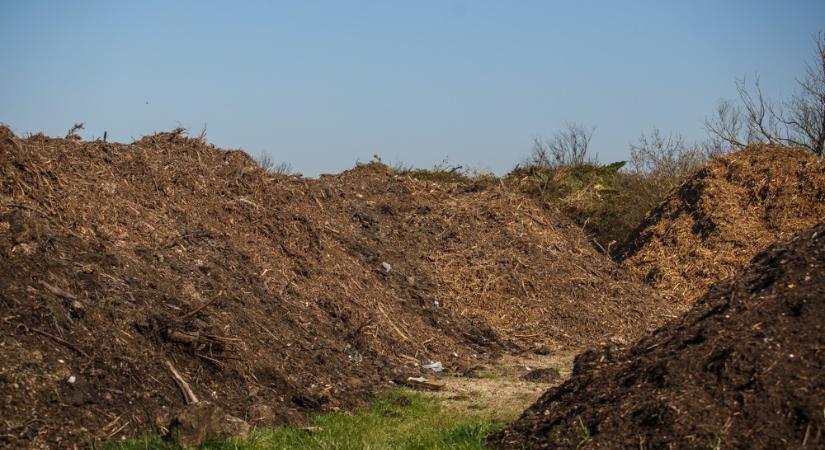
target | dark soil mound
[
  {"x": 269, "y": 294},
  {"x": 742, "y": 369},
  {"x": 731, "y": 209}
]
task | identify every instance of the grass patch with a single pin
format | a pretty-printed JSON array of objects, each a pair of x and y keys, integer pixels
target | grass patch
[{"x": 397, "y": 420}]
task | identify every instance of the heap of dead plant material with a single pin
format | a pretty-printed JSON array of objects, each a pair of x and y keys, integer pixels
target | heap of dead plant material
[
  {"x": 268, "y": 294},
  {"x": 717, "y": 220},
  {"x": 742, "y": 369},
  {"x": 495, "y": 256},
  {"x": 602, "y": 199}
]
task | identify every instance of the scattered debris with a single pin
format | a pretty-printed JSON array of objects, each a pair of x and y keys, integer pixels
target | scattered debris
[
  {"x": 477, "y": 371},
  {"x": 435, "y": 366},
  {"x": 544, "y": 375},
  {"x": 542, "y": 350},
  {"x": 199, "y": 422},
  {"x": 423, "y": 383}
]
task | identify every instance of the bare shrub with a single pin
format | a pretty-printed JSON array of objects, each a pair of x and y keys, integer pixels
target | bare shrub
[
  {"x": 658, "y": 163},
  {"x": 609, "y": 201},
  {"x": 569, "y": 146},
  {"x": 72, "y": 133},
  {"x": 798, "y": 121},
  {"x": 665, "y": 157},
  {"x": 267, "y": 163},
  {"x": 445, "y": 172}
]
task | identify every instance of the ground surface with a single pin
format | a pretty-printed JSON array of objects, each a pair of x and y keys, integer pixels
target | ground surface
[
  {"x": 499, "y": 388},
  {"x": 457, "y": 417}
]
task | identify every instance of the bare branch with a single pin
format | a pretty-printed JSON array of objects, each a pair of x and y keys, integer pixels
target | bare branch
[
  {"x": 799, "y": 121},
  {"x": 665, "y": 157},
  {"x": 759, "y": 113},
  {"x": 270, "y": 166},
  {"x": 72, "y": 133},
  {"x": 569, "y": 146},
  {"x": 725, "y": 127}
]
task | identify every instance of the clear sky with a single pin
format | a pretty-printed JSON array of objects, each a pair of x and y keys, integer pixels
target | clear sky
[{"x": 323, "y": 84}]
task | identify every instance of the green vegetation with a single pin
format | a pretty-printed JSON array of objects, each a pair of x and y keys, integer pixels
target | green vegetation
[
  {"x": 397, "y": 420},
  {"x": 607, "y": 201},
  {"x": 584, "y": 434},
  {"x": 602, "y": 199},
  {"x": 445, "y": 173}
]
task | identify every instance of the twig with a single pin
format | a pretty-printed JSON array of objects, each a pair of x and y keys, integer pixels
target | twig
[
  {"x": 392, "y": 324},
  {"x": 199, "y": 308},
  {"x": 57, "y": 291},
  {"x": 118, "y": 430},
  {"x": 524, "y": 336},
  {"x": 188, "y": 395},
  {"x": 59, "y": 340},
  {"x": 75, "y": 127},
  {"x": 30, "y": 208},
  {"x": 604, "y": 250},
  {"x": 213, "y": 360}
]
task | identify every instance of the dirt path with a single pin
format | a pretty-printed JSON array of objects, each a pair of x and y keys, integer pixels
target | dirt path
[{"x": 498, "y": 391}]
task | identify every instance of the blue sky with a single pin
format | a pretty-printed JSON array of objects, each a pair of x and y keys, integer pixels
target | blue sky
[{"x": 323, "y": 84}]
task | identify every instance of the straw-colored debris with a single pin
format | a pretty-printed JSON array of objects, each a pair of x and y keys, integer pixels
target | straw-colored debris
[{"x": 717, "y": 220}]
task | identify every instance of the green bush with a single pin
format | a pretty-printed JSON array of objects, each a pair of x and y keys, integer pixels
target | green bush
[{"x": 609, "y": 201}]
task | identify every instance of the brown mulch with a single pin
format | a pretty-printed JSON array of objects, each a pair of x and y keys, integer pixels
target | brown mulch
[
  {"x": 718, "y": 219},
  {"x": 269, "y": 294},
  {"x": 742, "y": 369},
  {"x": 495, "y": 255}
]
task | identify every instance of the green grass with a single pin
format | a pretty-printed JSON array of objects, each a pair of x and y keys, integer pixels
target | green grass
[{"x": 387, "y": 424}]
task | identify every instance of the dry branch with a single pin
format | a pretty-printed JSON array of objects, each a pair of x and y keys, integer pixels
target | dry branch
[
  {"x": 188, "y": 394},
  {"x": 60, "y": 340}
]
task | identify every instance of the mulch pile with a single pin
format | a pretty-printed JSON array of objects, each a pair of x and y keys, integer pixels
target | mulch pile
[
  {"x": 718, "y": 219},
  {"x": 496, "y": 256},
  {"x": 270, "y": 295},
  {"x": 742, "y": 369}
]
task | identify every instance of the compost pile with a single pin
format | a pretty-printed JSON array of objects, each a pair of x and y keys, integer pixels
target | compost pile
[
  {"x": 271, "y": 295},
  {"x": 495, "y": 255},
  {"x": 722, "y": 216},
  {"x": 742, "y": 369}
]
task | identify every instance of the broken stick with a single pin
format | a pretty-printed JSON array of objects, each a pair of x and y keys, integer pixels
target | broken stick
[
  {"x": 60, "y": 341},
  {"x": 199, "y": 308},
  {"x": 188, "y": 394}
]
